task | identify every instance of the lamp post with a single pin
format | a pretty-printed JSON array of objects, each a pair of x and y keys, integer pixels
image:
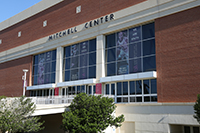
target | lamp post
[{"x": 24, "y": 78}]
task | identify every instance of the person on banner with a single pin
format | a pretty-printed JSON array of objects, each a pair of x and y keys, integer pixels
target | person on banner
[
  {"x": 74, "y": 52},
  {"x": 122, "y": 53},
  {"x": 41, "y": 71},
  {"x": 122, "y": 46}
]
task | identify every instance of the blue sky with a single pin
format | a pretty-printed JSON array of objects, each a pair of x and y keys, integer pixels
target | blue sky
[{"x": 9, "y": 8}]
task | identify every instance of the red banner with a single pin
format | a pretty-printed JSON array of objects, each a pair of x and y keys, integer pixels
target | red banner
[
  {"x": 98, "y": 88},
  {"x": 56, "y": 91}
]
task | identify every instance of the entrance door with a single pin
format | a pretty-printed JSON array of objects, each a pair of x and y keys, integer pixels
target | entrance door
[{"x": 91, "y": 89}]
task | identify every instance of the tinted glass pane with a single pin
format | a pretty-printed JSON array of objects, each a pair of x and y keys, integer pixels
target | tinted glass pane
[
  {"x": 135, "y": 34},
  {"x": 139, "y": 87},
  {"x": 83, "y": 73},
  {"x": 90, "y": 89},
  {"x": 84, "y": 47},
  {"x": 125, "y": 99},
  {"x": 69, "y": 91},
  {"x": 67, "y": 51},
  {"x": 67, "y": 76},
  {"x": 92, "y": 72},
  {"x": 119, "y": 88},
  {"x": 148, "y": 31},
  {"x": 84, "y": 60},
  {"x": 83, "y": 88},
  {"x": 111, "y": 69},
  {"x": 53, "y": 66},
  {"x": 48, "y": 56},
  {"x": 153, "y": 86},
  {"x": 75, "y": 50},
  {"x": 153, "y": 98},
  {"x": 47, "y": 78},
  {"x": 135, "y": 50},
  {"x": 35, "y": 70},
  {"x": 67, "y": 63},
  {"x": 75, "y": 62},
  {"x": 135, "y": 65},
  {"x": 119, "y": 99},
  {"x": 111, "y": 55},
  {"x": 122, "y": 67},
  {"x": 132, "y": 87},
  {"x": 107, "y": 89},
  {"x": 132, "y": 99},
  {"x": 74, "y": 74},
  {"x": 147, "y": 99},
  {"x": 40, "y": 92},
  {"x": 138, "y": 99},
  {"x": 92, "y": 45},
  {"x": 34, "y": 93},
  {"x": 149, "y": 63},
  {"x": 44, "y": 92},
  {"x": 73, "y": 90},
  {"x": 94, "y": 89},
  {"x": 92, "y": 58},
  {"x": 47, "y": 92},
  {"x": 87, "y": 90},
  {"x": 110, "y": 40},
  {"x": 63, "y": 91},
  {"x": 54, "y": 55},
  {"x": 112, "y": 89},
  {"x": 125, "y": 88},
  {"x": 35, "y": 61},
  {"x": 51, "y": 92},
  {"x": 146, "y": 86},
  {"x": 53, "y": 77},
  {"x": 186, "y": 129},
  {"x": 195, "y": 129},
  {"x": 35, "y": 80},
  {"x": 149, "y": 47},
  {"x": 47, "y": 67}
]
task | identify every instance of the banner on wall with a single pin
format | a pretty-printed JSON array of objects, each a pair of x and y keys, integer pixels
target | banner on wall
[
  {"x": 41, "y": 68},
  {"x": 56, "y": 91},
  {"x": 98, "y": 88}
]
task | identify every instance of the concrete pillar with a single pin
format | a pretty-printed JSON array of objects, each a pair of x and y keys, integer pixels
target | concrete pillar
[
  {"x": 100, "y": 58},
  {"x": 59, "y": 64}
]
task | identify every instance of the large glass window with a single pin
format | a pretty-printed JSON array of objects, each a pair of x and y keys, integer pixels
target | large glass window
[
  {"x": 133, "y": 91},
  {"x": 73, "y": 90},
  {"x": 80, "y": 61},
  {"x": 44, "y": 68},
  {"x": 39, "y": 93},
  {"x": 131, "y": 51}
]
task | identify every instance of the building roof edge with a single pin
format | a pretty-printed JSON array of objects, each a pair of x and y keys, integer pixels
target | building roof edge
[{"x": 33, "y": 10}]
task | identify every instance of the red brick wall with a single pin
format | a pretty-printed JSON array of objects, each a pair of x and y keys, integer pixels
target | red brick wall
[
  {"x": 178, "y": 56},
  {"x": 61, "y": 16},
  {"x": 11, "y": 73}
]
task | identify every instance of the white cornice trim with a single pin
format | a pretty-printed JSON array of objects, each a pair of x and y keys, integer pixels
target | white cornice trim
[
  {"x": 38, "y": 87},
  {"x": 135, "y": 76},
  {"x": 75, "y": 83}
]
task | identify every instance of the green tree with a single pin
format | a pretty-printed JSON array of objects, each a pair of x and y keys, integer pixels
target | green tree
[
  {"x": 90, "y": 114},
  {"x": 15, "y": 115},
  {"x": 197, "y": 109}
]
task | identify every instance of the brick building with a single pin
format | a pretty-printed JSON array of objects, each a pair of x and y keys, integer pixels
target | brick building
[{"x": 143, "y": 53}]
